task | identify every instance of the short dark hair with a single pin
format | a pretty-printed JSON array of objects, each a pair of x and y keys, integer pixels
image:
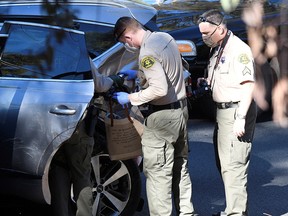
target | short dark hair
[
  {"x": 125, "y": 23},
  {"x": 212, "y": 16}
]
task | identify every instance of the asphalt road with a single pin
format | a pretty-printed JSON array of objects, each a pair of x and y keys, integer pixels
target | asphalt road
[{"x": 268, "y": 175}]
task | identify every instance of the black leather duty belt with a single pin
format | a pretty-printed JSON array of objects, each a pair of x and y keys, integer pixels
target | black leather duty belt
[
  {"x": 175, "y": 105},
  {"x": 227, "y": 105}
]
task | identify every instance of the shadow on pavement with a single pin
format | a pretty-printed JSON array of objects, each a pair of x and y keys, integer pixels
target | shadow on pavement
[{"x": 13, "y": 206}]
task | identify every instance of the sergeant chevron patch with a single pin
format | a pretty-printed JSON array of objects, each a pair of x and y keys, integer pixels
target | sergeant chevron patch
[{"x": 246, "y": 71}]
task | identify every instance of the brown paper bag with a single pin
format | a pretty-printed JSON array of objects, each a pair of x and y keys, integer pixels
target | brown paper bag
[{"x": 123, "y": 140}]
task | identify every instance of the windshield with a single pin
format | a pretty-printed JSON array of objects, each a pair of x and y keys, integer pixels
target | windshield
[{"x": 182, "y": 14}]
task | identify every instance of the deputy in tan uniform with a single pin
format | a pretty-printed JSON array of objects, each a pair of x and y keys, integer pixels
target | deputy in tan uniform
[
  {"x": 231, "y": 79},
  {"x": 164, "y": 141}
]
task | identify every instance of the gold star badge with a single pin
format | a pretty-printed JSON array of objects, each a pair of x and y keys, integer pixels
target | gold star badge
[{"x": 147, "y": 62}]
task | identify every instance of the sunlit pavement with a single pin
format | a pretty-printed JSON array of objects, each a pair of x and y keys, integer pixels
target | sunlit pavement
[{"x": 268, "y": 174}]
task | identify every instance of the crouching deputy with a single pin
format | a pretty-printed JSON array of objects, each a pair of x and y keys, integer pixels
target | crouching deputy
[{"x": 72, "y": 163}]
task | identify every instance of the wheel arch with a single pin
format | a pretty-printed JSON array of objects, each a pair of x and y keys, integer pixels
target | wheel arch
[{"x": 47, "y": 160}]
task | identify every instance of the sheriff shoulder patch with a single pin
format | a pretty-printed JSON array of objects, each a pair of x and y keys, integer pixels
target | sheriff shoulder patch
[
  {"x": 147, "y": 62},
  {"x": 244, "y": 59}
]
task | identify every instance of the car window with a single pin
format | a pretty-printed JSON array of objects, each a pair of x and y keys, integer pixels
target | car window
[
  {"x": 37, "y": 52},
  {"x": 99, "y": 38}
]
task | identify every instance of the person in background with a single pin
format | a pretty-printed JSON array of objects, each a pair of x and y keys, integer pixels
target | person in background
[
  {"x": 164, "y": 140},
  {"x": 269, "y": 44},
  {"x": 72, "y": 163},
  {"x": 231, "y": 80}
]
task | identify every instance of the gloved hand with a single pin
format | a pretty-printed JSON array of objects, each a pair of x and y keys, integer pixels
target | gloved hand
[
  {"x": 117, "y": 80},
  {"x": 121, "y": 97},
  {"x": 131, "y": 74}
]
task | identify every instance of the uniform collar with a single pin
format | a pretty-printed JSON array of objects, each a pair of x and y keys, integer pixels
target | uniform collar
[{"x": 146, "y": 36}]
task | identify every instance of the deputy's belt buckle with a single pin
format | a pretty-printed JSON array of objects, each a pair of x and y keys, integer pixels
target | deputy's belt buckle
[
  {"x": 223, "y": 105},
  {"x": 228, "y": 105}
]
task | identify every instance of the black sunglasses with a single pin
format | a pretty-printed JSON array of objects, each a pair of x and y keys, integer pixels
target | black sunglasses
[
  {"x": 121, "y": 33},
  {"x": 203, "y": 19}
]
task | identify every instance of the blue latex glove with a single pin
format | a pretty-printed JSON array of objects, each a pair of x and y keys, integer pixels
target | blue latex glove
[
  {"x": 121, "y": 97},
  {"x": 131, "y": 74}
]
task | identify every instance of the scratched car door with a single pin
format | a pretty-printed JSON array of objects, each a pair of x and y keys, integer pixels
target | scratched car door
[{"x": 45, "y": 87}]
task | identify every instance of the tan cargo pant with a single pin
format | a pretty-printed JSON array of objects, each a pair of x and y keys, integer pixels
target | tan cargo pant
[
  {"x": 165, "y": 162},
  {"x": 234, "y": 157}
]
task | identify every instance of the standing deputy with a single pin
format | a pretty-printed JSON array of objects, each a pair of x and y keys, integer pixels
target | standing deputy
[
  {"x": 231, "y": 79},
  {"x": 164, "y": 141}
]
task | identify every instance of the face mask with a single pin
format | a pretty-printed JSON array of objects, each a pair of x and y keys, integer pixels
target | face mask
[
  {"x": 207, "y": 39},
  {"x": 131, "y": 48}
]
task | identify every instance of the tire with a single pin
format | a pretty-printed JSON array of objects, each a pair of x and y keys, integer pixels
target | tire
[{"x": 116, "y": 186}]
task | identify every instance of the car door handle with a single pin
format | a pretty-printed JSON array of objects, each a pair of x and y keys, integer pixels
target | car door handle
[{"x": 62, "y": 110}]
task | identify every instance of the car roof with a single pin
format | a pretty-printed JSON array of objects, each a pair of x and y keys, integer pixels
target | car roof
[{"x": 94, "y": 10}]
